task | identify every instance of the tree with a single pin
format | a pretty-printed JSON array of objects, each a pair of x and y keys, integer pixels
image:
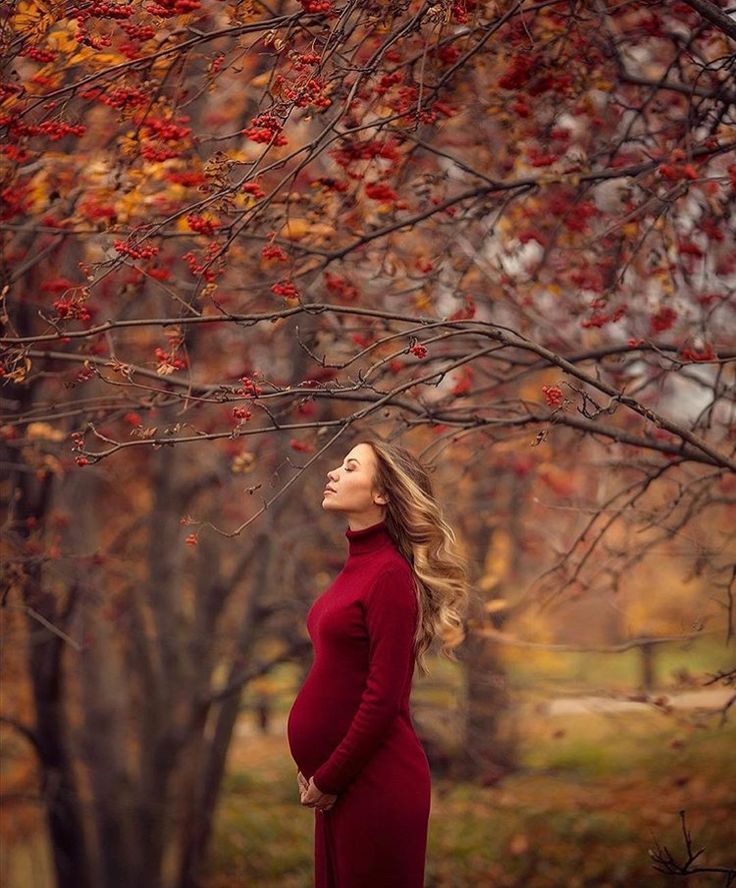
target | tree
[{"x": 238, "y": 233}]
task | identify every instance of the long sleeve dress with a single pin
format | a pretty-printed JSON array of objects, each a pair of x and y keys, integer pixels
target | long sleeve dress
[{"x": 350, "y": 727}]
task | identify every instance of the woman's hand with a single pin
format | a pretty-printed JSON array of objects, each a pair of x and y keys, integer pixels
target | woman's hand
[
  {"x": 312, "y": 797},
  {"x": 303, "y": 784}
]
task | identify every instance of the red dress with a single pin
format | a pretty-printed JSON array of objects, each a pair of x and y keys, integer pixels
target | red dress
[{"x": 350, "y": 726}]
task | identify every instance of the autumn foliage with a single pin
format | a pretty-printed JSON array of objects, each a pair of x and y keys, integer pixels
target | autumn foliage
[{"x": 236, "y": 234}]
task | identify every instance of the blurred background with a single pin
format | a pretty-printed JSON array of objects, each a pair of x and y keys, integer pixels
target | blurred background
[{"x": 237, "y": 236}]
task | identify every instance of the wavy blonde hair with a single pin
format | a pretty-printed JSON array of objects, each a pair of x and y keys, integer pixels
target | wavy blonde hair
[{"x": 414, "y": 520}]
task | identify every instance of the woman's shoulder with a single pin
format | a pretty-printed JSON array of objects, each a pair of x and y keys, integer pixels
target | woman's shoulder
[{"x": 393, "y": 567}]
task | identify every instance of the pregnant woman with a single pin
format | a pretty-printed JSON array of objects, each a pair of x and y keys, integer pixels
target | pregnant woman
[{"x": 360, "y": 763}]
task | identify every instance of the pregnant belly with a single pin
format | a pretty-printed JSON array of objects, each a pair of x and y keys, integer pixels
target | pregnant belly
[{"x": 314, "y": 728}]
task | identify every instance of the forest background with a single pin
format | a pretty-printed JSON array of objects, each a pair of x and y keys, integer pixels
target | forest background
[{"x": 239, "y": 235}]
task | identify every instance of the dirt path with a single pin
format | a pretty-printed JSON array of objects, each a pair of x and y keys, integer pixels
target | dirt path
[{"x": 709, "y": 698}]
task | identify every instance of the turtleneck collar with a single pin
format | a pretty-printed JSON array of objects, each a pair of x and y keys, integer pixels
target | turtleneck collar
[{"x": 369, "y": 539}]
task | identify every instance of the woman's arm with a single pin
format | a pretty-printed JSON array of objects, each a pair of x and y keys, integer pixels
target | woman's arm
[{"x": 391, "y": 615}]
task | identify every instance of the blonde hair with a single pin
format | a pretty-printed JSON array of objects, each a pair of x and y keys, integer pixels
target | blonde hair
[{"x": 414, "y": 520}]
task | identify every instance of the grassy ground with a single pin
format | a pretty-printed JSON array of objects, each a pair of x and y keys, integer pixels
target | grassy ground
[
  {"x": 593, "y": 793},
  {"x": 584, "y": 811}
]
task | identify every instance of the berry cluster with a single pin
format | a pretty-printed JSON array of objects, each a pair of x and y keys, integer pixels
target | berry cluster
[
  {"x": 274, "y": 251},
  {"x": 419, "y": 350},
  {"x": 92, "y": 210},
  {"x": 170, "y": 8},
  {"x": 158, "y": 155},
  {"x": 301, "y": 60},
  {"x": 15, "y": 153},
  {"x": 264, "y": 128},
  {"x": 201, "y": 265},
  {"x": 116, "y": 11},
  {"x": 466, "y": 312},
  {"x": 309, "y": 93},
  {"x": 68, "y": 308},
  {"x": 687, "y": 247},
  {"x": 519, "y": 71},
  {"x": 120, "y": 97},
  {"x": 250, "y": 388},
  {"x": 144, "y": 252},
  {"x": 55, "y": 129},
  {"x": 168, "y": 362},
  {"x": 241, "y": 414},
  {"x": 254, "y": 189},
  {"x": 187, "y": 178},
  {"x": 168, "y": 130},
  {"x": 675, "y": 170},
  {"x": 387, "y": 81},
  {"x": 87, "y": 372},
  {"x": 663, "y": 320},
  {"x": 553, "y": 395},
  {"x": 38, "y": 54},
  {"x": 346, "y": 291},
  {"x": 285, "y": 289},
  {"x": 600, "y": 318},
  {"x": 447, "y": 54},
  {"x": 692, "y": 354},
  {"x": 138, "y": 32},
  {"x": 316, "y": 6},
  {"x": 460, "y": 10},
  {"x": 56, "y": 285},
  {"x": 379, "y": 191},
  {"x": 201, "y": 224}
]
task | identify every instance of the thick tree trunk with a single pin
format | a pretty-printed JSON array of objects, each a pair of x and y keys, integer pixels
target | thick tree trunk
[
  {"x": 105, "y": 701},
  {"x": 45, "y": 665},
  {"x": 490, "y": 747},
  {"x": 488, "y": 754},
  {"x": 161, "y": 731},
  {"x": 204, "y": 792}
]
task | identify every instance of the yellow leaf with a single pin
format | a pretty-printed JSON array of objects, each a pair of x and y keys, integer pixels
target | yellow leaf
[
  {"x": 298, "y": 227},
  {"x": 42, "y": 431},
  {"x": 32, "y": 19},
  {"x": 422, "y": 300},
  {"x": 82, "y": 55},
  {"x": 108, "y": 59},
  {"x": 62, "y": 41},
  {"x": 20, "y": 373},
  {"x": 260, "y": 80},
  {"x": 295, "y": 228},
  {"x": 630, "y": 229}
]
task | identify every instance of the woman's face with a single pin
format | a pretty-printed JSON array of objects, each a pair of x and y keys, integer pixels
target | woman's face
[{"x": 350, "y": 489}]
